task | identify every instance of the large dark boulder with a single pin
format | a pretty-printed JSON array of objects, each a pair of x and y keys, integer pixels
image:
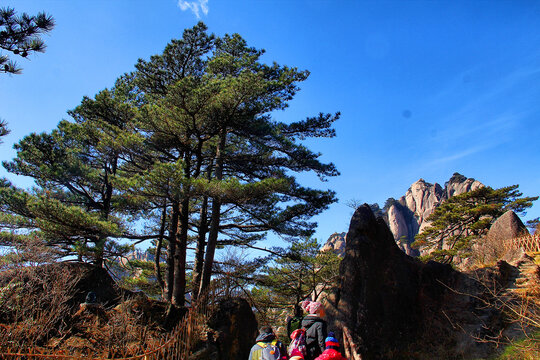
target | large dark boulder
[
  {"x": 396, "y": 307},
  {"x": 233, "y": 332}
]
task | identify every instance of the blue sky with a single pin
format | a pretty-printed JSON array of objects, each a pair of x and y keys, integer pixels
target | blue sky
[{"x": 425, "y": 88}]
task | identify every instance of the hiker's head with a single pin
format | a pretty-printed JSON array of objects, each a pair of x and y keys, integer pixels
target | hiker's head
[
  {"x": 315, "y": 308},
  {"x": 305, "y": 304},
  {"x": 266, "y": 330},
  {"x": 331, "y": 342}
]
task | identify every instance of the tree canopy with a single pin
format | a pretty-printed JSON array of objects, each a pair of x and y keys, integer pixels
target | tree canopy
[
  {"x": 462, "y": 220},
  {"x": 21, "y": 35},
  {"x": 303, "y": 272},
  {"x": 183, "y": 151}
]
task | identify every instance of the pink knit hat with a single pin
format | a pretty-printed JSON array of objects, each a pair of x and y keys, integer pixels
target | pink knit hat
[
  {"x": 305, "y": 304},
  {"x": 314, "y": 307}
]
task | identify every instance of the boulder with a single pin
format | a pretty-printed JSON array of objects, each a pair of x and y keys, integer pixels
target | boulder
[
  {"x": 234, "y": 330},
  {"x": 396, "y": 307},
  {"x": 508, "y": 226},
  {"x": 495, "y": 245}
]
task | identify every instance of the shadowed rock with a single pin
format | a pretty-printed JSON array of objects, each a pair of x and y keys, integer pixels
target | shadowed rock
[
  {"x": 233, "y": 332},
  {"x": 397, "y": 307}
]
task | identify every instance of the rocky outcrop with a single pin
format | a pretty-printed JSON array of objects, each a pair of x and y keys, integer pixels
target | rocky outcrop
[
  {"x": 508, "y": 226},
  {"x": 459, "y": 184},
  {"x": 495, "y": 244},
  {"x": 232, "y": 332},
  {"x": 408, "y": 216},
  {"x": 421, "y": 199},
  {"x": 54, "y": 299},
  {"x": 336, "y": 243},
  {"x": 396, "y": 307},
  {"x": 81, "y": 278}
]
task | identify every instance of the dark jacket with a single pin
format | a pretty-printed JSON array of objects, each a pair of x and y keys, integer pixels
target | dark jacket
[{"x": 315, "y": 335}]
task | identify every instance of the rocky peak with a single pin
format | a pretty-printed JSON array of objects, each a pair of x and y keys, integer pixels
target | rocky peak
[
  {"x": 422, "y": 198},
  {"x": 336, "y": 243},
  {"x": 408, "y": 216},
  {"x": 459, "y": 184}
]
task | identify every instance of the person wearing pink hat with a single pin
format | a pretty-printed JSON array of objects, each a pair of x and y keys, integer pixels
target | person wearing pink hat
[{"x": 315, "y": 328}]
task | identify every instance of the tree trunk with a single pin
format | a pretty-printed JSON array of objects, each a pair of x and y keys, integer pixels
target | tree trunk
[
  {"x": 171, "y": 252},
  {"x": 199, "y": 251},
  {"x": 179, "y": 290},
  {"x": 159, "y": 245},
  {"x": 215, "y": 219}
]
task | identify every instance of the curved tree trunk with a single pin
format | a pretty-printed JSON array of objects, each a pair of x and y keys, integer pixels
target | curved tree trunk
[
  {"x": 199, "y": 251},
  {"x": 215, "y": 218}
]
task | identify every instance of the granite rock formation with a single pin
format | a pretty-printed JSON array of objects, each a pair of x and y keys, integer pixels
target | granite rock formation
[
  {"x": 232, "y": 332},
  {"x": 407, "y": 216},
  {"x": 396, "y": 307},
  {"x": 495, "y": 245},
  {"x": 336, "y": 243},
  {"x": 508, "y": 226}
]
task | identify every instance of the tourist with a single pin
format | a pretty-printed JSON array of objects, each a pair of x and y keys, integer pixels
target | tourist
[
  {"x": 267, "y": 346},
  {"x": 315, "y": 328},
  {"x": 332, "y": 349},
  {"x": 295, "y": 322}
]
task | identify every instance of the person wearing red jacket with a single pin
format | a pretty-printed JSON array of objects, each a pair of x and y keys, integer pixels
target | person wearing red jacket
[{"x": 331, "y": 352}]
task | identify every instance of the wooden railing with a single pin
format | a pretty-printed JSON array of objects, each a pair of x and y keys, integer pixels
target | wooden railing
[
  {"x": 529, "y": 243},
  {"x": 177, "y": 346}
]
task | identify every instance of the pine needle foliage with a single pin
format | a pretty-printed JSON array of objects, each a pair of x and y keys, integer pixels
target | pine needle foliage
[
  {"x": 187, "y": 146},
  {"x": 461, "y": 221},
  {"x": 21, "y": 35},
  {"x": 302, "y": 272}
]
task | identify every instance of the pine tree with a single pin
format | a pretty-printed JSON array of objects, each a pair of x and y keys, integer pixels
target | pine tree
[
  {"x": 20, "y": 35},
  {"x": 188, "y": 142},
  {"x": 462, "y": 220},
  {"x": 205, "y": 118},
  {"x": 75, "y": 167},
  {"x": 302, "y": 272}
]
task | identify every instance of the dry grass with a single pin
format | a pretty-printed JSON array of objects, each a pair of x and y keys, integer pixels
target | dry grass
[{"x": 39, "y": 311}]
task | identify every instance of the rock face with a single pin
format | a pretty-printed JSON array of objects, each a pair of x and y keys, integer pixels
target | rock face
[
  {"x": 336, "y": 243},
  {"x": 408, "y": 216},
  {"x": 233, "y": 332},
  {"x": 396, "y": 307},
  {"x": 494, "y": 246},
  {"x": 507, "y": 226}
]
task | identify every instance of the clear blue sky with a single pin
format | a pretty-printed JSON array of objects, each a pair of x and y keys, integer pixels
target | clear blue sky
[{"x": 425, "y": 88}]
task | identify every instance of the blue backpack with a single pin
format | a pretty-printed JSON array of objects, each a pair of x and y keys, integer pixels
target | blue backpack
[{"x": 269, "y": 351}]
